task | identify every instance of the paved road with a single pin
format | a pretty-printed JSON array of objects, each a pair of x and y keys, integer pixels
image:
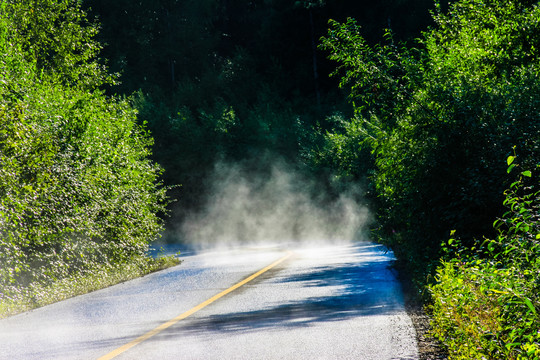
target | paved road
[{"x": 335, "y": 302}]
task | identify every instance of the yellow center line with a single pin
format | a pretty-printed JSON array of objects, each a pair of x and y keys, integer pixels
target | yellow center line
[{"x": 171, "y": 322}]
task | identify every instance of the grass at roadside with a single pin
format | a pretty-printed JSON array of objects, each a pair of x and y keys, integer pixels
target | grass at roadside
[{"x": 100, "y": 277}]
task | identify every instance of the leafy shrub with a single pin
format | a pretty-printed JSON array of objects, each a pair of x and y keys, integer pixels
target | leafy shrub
[
  {"x": 482, "y": 311},
  {"x": 486, "y": 302},
  {"x": 77, "y": 187},
  {"x": 436, "y": 117},
  {"x": 59, "y": 39},
  {"x": 16, "y": 299}
]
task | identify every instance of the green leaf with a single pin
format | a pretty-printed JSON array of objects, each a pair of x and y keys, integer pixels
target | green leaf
[
  {"x": 529, "y": 305},
  {"x": 526, "y": 173},
  {"x": 510, "y": 160},
  {"x": 498, "y": 291}
]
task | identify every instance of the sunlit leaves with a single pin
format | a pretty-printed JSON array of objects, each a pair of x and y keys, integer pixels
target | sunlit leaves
[
  {"x": 77, "y": 188},
  {"x": 468, "y": 96},
  {"x": 447, "y": 112},
  {"x": 59, "y": 39},
  {"x": 500, "y": 277},
  {"x": 510, "y": 160}
]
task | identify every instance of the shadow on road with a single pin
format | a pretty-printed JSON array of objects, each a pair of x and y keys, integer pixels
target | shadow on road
[{"x": 362, "y": 285}]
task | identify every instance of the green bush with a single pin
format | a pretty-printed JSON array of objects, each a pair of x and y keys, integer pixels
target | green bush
[
  {"x": 58, "y": 38},
  {"x": 481, "y": 311},
  {"x": 77, "y": 187},
  {"x": 486, "y": 302},
  {"x": 435, "y": 117},
  {"x": 18, "y": 299}
]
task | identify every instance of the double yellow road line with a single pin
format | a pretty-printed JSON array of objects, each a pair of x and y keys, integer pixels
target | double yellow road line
[{"x": 190, "y": 312}]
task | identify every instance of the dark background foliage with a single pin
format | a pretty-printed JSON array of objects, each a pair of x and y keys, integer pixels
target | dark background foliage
[{"x": 229, "y": 79}]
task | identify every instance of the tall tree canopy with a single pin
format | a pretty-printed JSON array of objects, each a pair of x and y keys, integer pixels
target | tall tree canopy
[{"x": 441, "y": 117}]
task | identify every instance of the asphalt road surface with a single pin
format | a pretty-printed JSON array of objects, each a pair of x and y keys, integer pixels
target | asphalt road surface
[{"x": 325, "y": 302}]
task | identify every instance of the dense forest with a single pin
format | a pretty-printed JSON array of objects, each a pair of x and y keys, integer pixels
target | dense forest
[
  {"x": 114, "y": 114},
  {"x": 233, "y": 79}
]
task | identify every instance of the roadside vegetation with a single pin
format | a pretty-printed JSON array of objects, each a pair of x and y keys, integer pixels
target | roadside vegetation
[
  {"x": 486, "y": 297},
  {"x": 433, "y": 110},
  {"x": 439, "y": 116},
  {"x": 99, "y": 276},
  {"x": 78, "y": 192}
]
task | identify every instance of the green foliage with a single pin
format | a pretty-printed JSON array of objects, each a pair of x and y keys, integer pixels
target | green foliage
[
  {"x": 482, "y": 311},
  {"x": 57, "y": 37},
  {"x": 193, "y": 60},
  {"x": 77, "y": 188},
  {"x": 486, "y": 301},
  {"x": 205, "y": 83},
  {"x": 98, "y": 277},
  {"x": 193, "y": 139},
  {"x": 345, "y": 151},
  {"x": 438, "y": 114}
]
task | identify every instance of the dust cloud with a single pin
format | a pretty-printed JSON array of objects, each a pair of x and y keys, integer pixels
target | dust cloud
[{"x": 273, "y": 203}]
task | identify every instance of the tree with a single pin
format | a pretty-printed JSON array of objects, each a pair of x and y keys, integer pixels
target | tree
[
  {"x": 58, "y": 37},
  {"x": 439, "y": 116},
  {"x": 77, "y": 187}
]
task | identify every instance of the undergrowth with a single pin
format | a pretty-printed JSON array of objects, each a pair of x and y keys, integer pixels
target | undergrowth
[
  {"x": 486, "y": 302},
  {"x": 15, "y": 300}
]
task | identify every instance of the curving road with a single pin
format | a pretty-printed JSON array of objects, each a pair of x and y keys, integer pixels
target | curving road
[{"x": 331, "y": 302}]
